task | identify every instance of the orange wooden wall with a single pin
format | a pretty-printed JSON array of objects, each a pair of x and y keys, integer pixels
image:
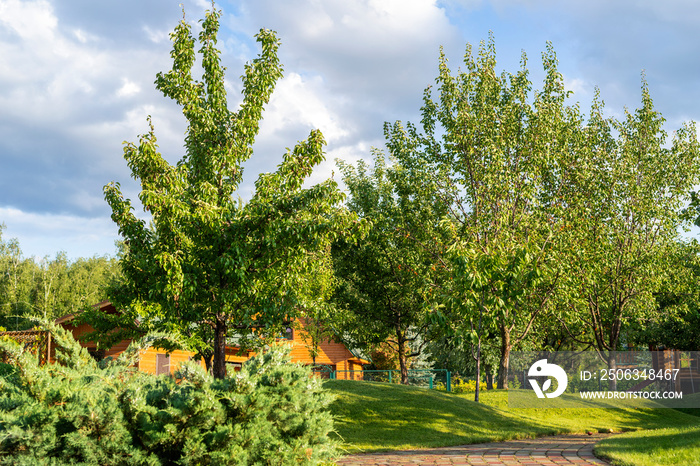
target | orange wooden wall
[{"x": 331, "y": 353}]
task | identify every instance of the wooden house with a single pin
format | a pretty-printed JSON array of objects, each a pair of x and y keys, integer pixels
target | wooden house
[
  {"x": 332, "y": 359},
  {"x": 332, "y": 356}
]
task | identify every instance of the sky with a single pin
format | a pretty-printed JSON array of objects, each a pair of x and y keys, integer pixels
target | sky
[{"x": 76, "y": 81}]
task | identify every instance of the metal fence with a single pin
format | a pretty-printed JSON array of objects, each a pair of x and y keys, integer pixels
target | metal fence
[{"x": 428, "y": 378}]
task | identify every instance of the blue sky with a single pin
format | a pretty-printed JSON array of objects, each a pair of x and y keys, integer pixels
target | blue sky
[{"x": 76, "y": 80}]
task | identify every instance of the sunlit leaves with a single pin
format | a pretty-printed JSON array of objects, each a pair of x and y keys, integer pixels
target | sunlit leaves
[
  {"x": 209, "y": 261},
  {"x": 489, "y": 150}
]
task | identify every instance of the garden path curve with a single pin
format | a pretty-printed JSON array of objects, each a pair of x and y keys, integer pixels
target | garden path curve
[{"x": 550, "y": 451}]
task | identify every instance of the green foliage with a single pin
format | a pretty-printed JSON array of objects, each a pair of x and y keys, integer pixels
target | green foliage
[
  {"x": 208, "y": 263},
  {"x": 80, "y": 412},
  {"x": 466, "y": 386},
  {"x": 676, "y": 321},
  {"x": 385, "y": 290},
  {"x": 383, "y": 357},
  {"x": 454, "y": 352},
  {"x": 558, "y": 220},
  {"x": 318, "y": 312},
  {"x": 49, "y": 288},
  {"x": 491, "y": 148},
  {"x": 626, "y": 200}
]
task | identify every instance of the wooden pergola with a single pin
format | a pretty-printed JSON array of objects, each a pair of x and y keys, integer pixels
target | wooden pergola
[{"x": 36, "y": 341}]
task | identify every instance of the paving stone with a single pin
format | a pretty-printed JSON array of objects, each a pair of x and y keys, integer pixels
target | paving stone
[{"x": 546, "y": 451}]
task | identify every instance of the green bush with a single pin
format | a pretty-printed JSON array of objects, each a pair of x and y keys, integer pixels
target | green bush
[
  {"x": 466, "y": 386},
  {"x": 81, "y": 412}
]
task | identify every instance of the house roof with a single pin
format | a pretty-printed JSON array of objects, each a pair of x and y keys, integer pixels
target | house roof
[{"x": 104, "y": 306}]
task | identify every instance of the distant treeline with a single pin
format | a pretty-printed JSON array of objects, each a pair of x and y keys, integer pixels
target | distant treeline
[{"x": 50, "y": 287}]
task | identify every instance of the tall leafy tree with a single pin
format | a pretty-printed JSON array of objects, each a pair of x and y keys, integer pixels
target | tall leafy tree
[
  {"x": 87, "y": 281},
  {"x": 317, "y": 315},
  {"x": 625, "y": 207},
  {"x": 207, "y": 263},
  {"x": 385, "y": 281},
  {"x": 16, "y": 282},
  {"x": 51, "y": 285},
  {"x": 492, "y": 146},
  {"x": 676, "y": 321}
]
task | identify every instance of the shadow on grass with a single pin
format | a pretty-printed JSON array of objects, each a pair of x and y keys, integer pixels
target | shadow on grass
[
  {"x": 672, "y": 446},
  {"x": 373, "y": 416}
]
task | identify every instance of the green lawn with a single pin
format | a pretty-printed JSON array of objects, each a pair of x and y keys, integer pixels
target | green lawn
[
  {"x": 660, "y": 447},
  {"x": 379, "y": 417}
]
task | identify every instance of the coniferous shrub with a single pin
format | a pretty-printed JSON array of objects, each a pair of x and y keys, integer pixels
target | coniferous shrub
[{"x": 80, "y": 412}]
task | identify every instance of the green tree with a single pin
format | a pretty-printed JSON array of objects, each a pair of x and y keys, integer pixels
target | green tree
[
  {"x": 16, "y": 282},
  {"x": 456, "y": 353},
  {"x": 62, "y": 286},
  {"x": 492, "y": 147},
  {"x": 317, "y": 315},
  {"x": 625, "y": 209},
  {"x": 385, "y": 282},
  {"x": 676, "y": 322},
  {"x": 88, "y": 280},
  {"x": 51, "y": 286},
  {"x": 209, "y": 263}
]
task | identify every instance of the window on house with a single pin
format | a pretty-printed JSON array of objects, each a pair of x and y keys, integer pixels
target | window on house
[
  {"x": 287, "y": 334},
  {"x": 232, "y": 367},
  {"x": 98, "y": 355},
  {"x": 162, "y": 364},
  {"x": 323, "y": 371}
]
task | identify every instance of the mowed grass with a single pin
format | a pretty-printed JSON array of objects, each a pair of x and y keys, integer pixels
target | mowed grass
[
  {"x": 380, "y": 417},
  {"x": 660, "y": 447},
  {"x": 676, "y": 445}
]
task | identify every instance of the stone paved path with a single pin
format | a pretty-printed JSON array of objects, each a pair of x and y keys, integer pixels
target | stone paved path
[{"x": 550, "y": 451}]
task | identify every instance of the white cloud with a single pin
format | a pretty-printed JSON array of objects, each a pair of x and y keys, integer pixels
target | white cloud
[
  {"x": 77, "y": 76},
  {"x": 128, "y": 89},
  {"x": 350, "y": 67},
  {"x": 367, "y": 45},
  {"x": 470, "y": 4},
  {"x": 156, "y": 36},
  {"x": 84, "y": 37},
  {"x": 299, "y": 102},
  {"x": 77, "y": 80},
  {"x": 204, "y": 4},
  {"x": 49, "y": 77},
  {"x": 393, "y": 18},
  {"x": 59, "y": 94},
  {"x": 31, "y": 21},
  {"x": 371, "y": 28},
  {"x": 580, "y": 88}
]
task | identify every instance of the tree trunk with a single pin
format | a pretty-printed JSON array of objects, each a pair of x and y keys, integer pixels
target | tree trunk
[
  {"x": 401, "y": 341},
  {"x": 612, "y": 366},
  {"x": 505, "y": 359},
  {"x": 220, "y": 348},
  {"x": 489, "y": 377},
  {"x": 207, "y": 362},
  {"x": 478, "y": 349},
  {"x": 478, "y": 365}
]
